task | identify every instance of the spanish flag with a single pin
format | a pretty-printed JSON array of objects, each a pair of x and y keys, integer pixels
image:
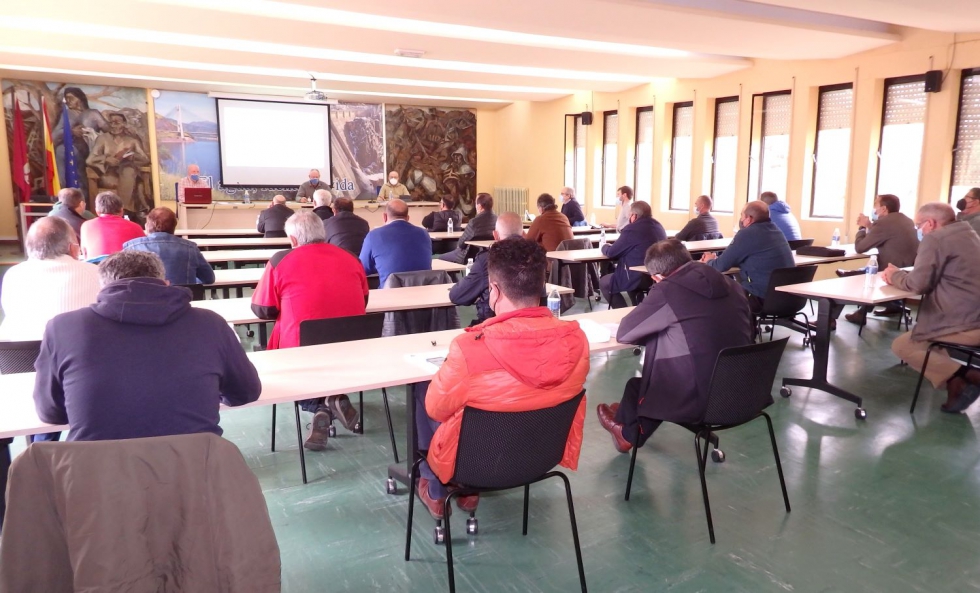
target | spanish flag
[{"x": 51, "y": 180}]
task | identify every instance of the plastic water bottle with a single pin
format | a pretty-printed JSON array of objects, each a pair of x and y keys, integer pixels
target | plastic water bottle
[
  {"x": 554, "y": 303},
  {"x": 835, "y": 238},
  {"x": 871, "y": 271},
  {"x": 449, "y": 226},
  {"x": 602, "y": 238},
  {"x": 469, "y": 262},
  {"x": 246, "y": 198}
]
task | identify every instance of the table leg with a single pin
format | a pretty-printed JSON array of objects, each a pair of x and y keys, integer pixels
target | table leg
[
  {"x": 821, "y": 359},
  {"x": 263, "y": 334},
  {"x": 400, "y": 471},
  {"x": 4, "y": 469}
]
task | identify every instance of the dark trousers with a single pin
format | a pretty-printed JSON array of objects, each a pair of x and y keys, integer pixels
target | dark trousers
[
  {"x": 615, "y": 299},
  {"x": 425, "y": 429},
  {"x": 628, "y": 415}
]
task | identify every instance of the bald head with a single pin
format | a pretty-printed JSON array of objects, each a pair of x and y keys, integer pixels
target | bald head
[
  {"x": 508, "y": 225},
  {"x": 703, "y": 204},
  {"x": 396, "y": 210},
  {"x": 758, "y": 211},
  {"x": 51, "y": 237},
  {"x": 279, "y": 199}
]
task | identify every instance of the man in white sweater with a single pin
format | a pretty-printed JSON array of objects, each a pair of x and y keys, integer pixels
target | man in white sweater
[{"x": 52, "y": 281}]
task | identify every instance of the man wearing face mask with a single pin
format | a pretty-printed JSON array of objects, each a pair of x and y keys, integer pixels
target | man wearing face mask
[
  {"x": 193, "y": 179},
  {"x": 893, "y": 234},
  {"x": 309, "y": 187},
  {"x": 637, "y": 236},
  {"x": 969, "y": 207},
  {"x": 393, "y": 189},
  {"x": 949, "y": 282}
]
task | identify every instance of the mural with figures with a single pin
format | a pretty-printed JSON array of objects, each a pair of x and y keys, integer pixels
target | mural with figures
[
  {"x": 106, "y": 141},
  {"x": 434, "y": 151},
  {"x": 187, "y": 134}
]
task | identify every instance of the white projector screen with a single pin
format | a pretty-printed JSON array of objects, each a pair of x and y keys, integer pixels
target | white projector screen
[{"x": 264, "y": 143}]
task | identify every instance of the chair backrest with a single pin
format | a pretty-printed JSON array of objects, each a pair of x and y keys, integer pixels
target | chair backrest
[
  {"x": 197, "y": 291},
  {"x": 784, "y": 304},
  {"x": 797, "y": 243},
  {"x": 414, "y": 321},
  {"x": 18, "y": 357},
  {"x": 507, "y": 449},
  {"x": 708, "y": 236},
  {"x": 571, "y": 244},
  {"x": 419, "y": 278},
  {"x": 741, "y": 384},
  {"x": 341, "y": 329}
]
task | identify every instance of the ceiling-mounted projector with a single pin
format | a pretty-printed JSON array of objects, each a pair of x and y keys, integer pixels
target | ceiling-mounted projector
[{"x": 313, "y": 94}]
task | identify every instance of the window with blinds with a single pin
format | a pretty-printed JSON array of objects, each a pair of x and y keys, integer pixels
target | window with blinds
[
  {"x": 772, "y": 115},
  {"x": 832, "y": 151},
  {"x": 575, "y": 142},
  {"x": 610, "y": 154},
  {"x": 681, "y": 152},
  {"x": 966, "y": 149},
  {"x": 902, "y": 132},
  {"x": 643, "y": 156},
  {"x": 725, "y": 154}
]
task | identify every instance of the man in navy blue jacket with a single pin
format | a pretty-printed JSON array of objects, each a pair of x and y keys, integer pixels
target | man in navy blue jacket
[
  {"x": 474, "y": 288},
  {"x": 571, "y": 208},
  {"x": 398, "y": 246},
  {"x": 756, "y": 250},
  {"x": 140, "y": 362},
  {"x": 628, "y": 251}
]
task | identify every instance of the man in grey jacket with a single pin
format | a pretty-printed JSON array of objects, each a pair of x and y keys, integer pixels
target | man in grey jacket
[
  {"x": 947, "y": 275},
  {"x": 971, "y": 209},
  {"x": 893, "y": 234},
  {"x": 478, "y": 228}
]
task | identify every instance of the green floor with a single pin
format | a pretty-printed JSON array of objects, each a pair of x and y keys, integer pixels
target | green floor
[{"x": 890, "y": 504}]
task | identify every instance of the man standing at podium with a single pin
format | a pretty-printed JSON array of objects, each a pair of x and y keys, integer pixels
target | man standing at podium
[{"x": 193, "y": 179}]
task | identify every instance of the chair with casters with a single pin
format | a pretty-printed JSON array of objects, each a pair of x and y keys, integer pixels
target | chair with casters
[
  {"x": 739, "y": 392},
  {"x": 330, "y": 331},
  {"x": 783, "y": 308},
  {"x": 494, "y": 454},
  {"x": 795, "y": 244},
  {"x": 962, "y": 349}
]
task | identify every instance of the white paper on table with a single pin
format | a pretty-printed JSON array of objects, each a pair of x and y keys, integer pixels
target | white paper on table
[
  {"x": 430, "y": 361},
  {"x": 597, "y": 333}
]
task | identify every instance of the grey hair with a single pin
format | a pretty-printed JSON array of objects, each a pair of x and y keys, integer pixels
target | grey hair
[
  {"x": 108, "y": 202},
  {"x": 306, "y": 227},
  {"x": 71, "y": 197},
  {"x": 322, "y": 197},
  {"x": 663, "y": 257},
  {"x": 131, "y": 264},
  {"x": 641, "y": 209},
  {"x": 942, "y": 213},
  {"x": 49, "y": 238},
  {"x": 509, "y": 225},
  {"x": 569, "y": 191}
]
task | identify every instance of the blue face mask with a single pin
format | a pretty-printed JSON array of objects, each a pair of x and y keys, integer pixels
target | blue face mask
[
  {"x": 919, "y": 233},
  {"x": 314, "y": 180},
  {"x": 194, "y": 178},
  {"x": 874, "y": 216}
]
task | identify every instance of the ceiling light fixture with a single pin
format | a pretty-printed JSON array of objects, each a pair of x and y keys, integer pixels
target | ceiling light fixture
[{"x": 409, "y": 53}]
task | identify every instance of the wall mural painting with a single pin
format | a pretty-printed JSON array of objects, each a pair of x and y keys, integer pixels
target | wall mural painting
[
  {"x": 356, "y": 150},
  {"x": 434, "y": 152},
  {"x": 108, "y": 140}
]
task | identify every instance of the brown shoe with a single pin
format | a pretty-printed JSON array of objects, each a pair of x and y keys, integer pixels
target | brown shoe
[
  {"x": 859, "y": 317},
  {"x": 317, "y": 441},
  {"x": 435, "y": 506},
  {"x": 608, "y": 421},
  {"x": 468, "y": 504},
  {"x": 343, "y": 410}
]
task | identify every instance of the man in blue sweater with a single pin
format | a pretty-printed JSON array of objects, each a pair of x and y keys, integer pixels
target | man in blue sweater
[
  {"x": 756, "y": 250},
  {"x": 628, "y": 250},
  {"x": 398, "y": 246},
  {"x": 140, "y": 362},
  {"x": 782, "y": 216}
]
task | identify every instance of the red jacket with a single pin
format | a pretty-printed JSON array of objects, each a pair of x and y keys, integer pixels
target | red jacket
[
  {"x": 106, "y": 234},
  {"x": 315, "y": 281},
  {"x": 519, "y": 361}
]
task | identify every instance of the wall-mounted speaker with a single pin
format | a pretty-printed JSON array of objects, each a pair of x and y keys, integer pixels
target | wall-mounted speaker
[
  {"x": 934, "y": 81},
  {"x": 586, "y": 118}
]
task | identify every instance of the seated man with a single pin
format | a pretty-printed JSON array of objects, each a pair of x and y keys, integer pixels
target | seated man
[
  {"x": 522, "y": 359},
  {"x": 758, "y": 249},
  {"x": 313, "y": 280},
  {"x": 479, "y": 227},
  {"x": 893, "y": 235},
  {"x": 474, "y": 287},
  {"x": 629, "y": 250},
  {"x": 701, "y": 226},
  {"x": 192, "y": 180},
  {"x": 71, "y": 208},
  {"x": 345, "y": 229},
  {"x": 272, "y": 221},
  {"x": 571, "y": 208},
  {"x": 691, "y": 314},
  {"x": 970, "y": 212},
  {"x": 141, "y": 362},
  {"x": 782, "y": 216},
  {"x": 398, "y": 246},
  {"x": 439, "y": 221},
  {"x": 551, "y": 227},
  {"x": 321, "y": 204},
  {"x": 182, "y": 259},
  {"x": 947, "y": 275},
  {"x": 624, "y": 195},
  {"x": 106, "y": 234}
]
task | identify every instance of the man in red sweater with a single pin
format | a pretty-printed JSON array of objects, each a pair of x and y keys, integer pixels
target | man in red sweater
[
  {"x": 313, "y": 280},
  {"x": 106, "y": 234}
]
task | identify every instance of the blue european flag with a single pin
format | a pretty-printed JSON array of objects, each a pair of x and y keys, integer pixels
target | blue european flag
[{"x": 71, "y": 168}]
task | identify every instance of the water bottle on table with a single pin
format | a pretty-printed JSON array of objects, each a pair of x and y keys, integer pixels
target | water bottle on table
[
  {"x": 246, "y": 199},
  {"x": 554, "y": 303},
  {"x": 602, "y": 238},
  {"x": 835, "y": 239},
  {"x": 871, "y": 271},
  {"x": 449, "y": 225}
]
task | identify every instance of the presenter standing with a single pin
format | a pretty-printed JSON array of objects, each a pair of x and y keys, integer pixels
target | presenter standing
[
  {"x": 393, "y": 189},
  {"x": 305, "y": 191},
  {"x": 193, "y": 179}
]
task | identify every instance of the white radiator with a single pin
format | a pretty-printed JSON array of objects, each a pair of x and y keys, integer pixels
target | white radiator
[{"x": 510, "y": 199}]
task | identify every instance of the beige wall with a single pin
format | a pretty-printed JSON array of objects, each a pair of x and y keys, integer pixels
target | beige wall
[{"x": 529, "y": 151}]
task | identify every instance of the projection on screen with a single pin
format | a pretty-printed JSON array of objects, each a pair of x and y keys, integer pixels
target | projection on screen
[{"x": 272, "y": 144}]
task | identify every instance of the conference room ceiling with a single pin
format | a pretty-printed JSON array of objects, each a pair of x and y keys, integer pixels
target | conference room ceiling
[{"x": 476, "y": 53}]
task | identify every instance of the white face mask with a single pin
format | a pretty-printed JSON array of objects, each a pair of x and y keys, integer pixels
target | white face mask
[{"x": 393, "y": 180}]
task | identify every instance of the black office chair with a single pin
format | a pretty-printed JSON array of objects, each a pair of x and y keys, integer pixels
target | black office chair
[
  {"x": 797, "y": 243},
  {"x": 783, "y": 308},
  {"x": 494, "y": 454},
  {"x": 636, "y": 296},
  {"x": 330, "y": 331},
  {"x": 741, "y": 388},
  {"x": 197, "y": 291},
  {"x": 968, "y": 351},
  {"x": 18, "y": 357}
]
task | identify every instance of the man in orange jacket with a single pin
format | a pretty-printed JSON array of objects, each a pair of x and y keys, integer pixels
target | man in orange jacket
[{"x": 522, "y": 359}]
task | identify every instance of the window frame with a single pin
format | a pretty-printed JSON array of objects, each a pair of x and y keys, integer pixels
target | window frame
[
  {"x": 964, "y": 74},
  {"x": 816, "y": 145},
  {"x": 604, "y": 200},
  {"x": 576, "y": 122},
  {"x": 673, "y": 142},
  {"x": 714, "y": 146},
  {"x": 762, "y": 136},
  {"x": 881, "y": 125},
  {"x": 636, "y": 152}
]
